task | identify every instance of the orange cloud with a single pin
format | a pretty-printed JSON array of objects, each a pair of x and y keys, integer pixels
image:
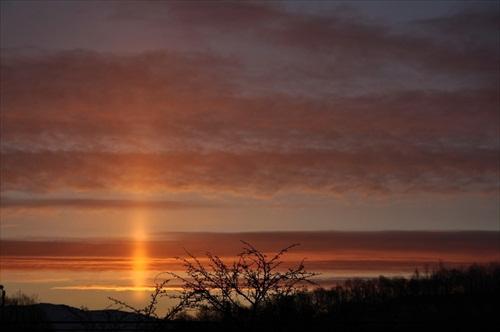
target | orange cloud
[{"x": 328, "y": 252}]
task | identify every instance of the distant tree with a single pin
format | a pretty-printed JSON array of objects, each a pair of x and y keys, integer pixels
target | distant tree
[
  {"x": 21, "y": 314},
  {"x": 20, "y": 298},
  {"x": 239, "y": 290}
]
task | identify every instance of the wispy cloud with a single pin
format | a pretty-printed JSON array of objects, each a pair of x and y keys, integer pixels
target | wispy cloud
[
  {"x": 90, "y": 203},
  {"x": 182, "y": 140}
]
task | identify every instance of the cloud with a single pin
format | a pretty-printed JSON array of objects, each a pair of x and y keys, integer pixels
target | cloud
[
  {"x": 325, "y": 251},
  {"x": 338, "y": 105},
  {"x": 93, "y": 203},
  {"x": 366, "y": 171},
  {"x": 463, "y": 43},
  {"x": 115, "y": 288}
]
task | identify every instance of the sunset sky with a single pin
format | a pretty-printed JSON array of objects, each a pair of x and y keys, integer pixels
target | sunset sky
[{"x": 366, "y": 131}]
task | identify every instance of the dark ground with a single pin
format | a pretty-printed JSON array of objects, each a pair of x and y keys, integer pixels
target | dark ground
[{"x": 457, "y": 312}]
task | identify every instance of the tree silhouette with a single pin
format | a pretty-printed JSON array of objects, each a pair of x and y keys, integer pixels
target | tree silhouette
[{"x": 240, "y": 290}]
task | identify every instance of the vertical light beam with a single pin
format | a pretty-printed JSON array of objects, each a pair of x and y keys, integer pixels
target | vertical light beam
[{"x": 140, "y": 254}]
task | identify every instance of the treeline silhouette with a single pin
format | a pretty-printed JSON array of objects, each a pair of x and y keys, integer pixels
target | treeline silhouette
[{"x": 447, "y": 298}]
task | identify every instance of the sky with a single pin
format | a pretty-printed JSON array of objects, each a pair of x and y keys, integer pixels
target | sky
[{"x": 366, "y": 131}]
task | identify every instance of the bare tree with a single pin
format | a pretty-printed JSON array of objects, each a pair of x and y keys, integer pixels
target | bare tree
[
  {"x": 148, "y": 313},
  {"x": 241, "y": 288}
]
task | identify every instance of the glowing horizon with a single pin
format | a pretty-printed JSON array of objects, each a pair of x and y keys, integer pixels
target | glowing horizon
[{"x": 31, "y": 265}]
